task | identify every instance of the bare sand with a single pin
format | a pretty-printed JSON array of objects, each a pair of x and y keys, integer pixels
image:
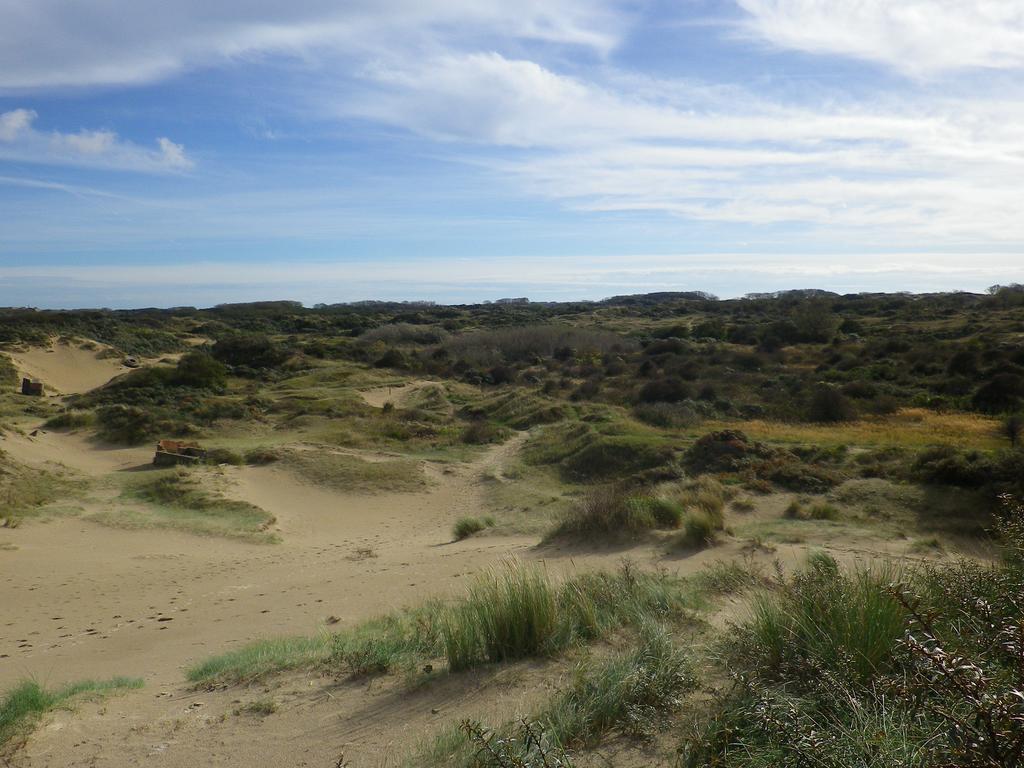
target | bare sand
[
  {"x": 84, "y": 600},
  {"x": 67, "y": 369},
  {"x": 81, "y": 600}
]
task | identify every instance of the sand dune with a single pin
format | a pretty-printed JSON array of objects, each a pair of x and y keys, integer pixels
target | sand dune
[{"x": 67, "y": 369}]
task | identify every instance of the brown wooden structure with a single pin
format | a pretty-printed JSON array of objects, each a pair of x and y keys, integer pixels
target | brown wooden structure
[
  {"x": 33, "y": 388},
  {"x": 173, "y": 452}
]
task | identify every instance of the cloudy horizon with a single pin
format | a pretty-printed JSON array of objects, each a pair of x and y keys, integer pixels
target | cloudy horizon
[{"x": 163, "y": 154}]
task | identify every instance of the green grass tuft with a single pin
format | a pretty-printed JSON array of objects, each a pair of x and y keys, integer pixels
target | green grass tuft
[
  {"x": 466, "y": 526},
  {"x": 261, "y": 658},
  {"x": 847, "y": 623}
]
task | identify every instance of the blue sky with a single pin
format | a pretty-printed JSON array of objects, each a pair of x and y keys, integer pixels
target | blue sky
[{"x": 195, "y": 152}]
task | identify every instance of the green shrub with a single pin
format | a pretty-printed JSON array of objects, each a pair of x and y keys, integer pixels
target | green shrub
[
  {"x": 8, "y": 373},
  {"x": 481, "y": 432},
  {"x": 396, "y": 641},
  {"x": 607, "y": 457},
  {"x": 126, "y": 424},
  {"x": 224, "y": 456},
  {"x": 508, "y": 614},
  {"x": 262, "y": 456},
  {"x": 846, "y": 624},
  {"x": 666, "y": 513},
  {"x": 829, "y": 404},
  {"x": 70, "y": 420},
  {"x": 822, "y": 510},
  {"x": 633, "y": 692},
  {"x": 256, "y": 660},
  {"x": 467, "y": 526},
  {"x": 253, "y": 351},
  {"x": 614, "y": 511},
  {"x": 699, "y": 530},
  {"x": 200, "y": 370}
]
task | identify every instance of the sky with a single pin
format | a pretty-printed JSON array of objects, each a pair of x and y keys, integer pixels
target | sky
[{"x": 195, "y": 152}]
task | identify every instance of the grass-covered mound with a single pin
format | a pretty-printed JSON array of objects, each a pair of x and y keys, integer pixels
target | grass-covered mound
[
  {"x": 323, "y": 466},
  {"x": 586, "y": 452},
  {"x": 25, "y": 491},
  {"x": 178, "y": 499}
]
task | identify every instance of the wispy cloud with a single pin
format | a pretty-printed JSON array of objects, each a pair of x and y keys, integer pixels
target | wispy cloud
[
  {"x": 917, "y": 37},
  {"x": 920, "y": 167},
  {"x": 46, "y": 43},
  {"x": 22, "y": 142}
]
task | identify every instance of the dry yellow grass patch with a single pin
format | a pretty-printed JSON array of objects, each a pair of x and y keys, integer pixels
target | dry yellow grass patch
[{"x": 910, "y": 428}]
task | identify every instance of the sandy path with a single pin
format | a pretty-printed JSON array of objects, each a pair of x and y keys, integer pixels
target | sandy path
[{"x": 66, "y": 369}]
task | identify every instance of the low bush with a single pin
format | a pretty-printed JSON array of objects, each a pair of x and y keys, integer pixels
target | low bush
[
  {"x": 262, "y": 456},
  {"x": 845, "y": 624},
  {"x": 480, "y": 432},
  {"x": 670, "y": 415},
  {"x": 819, "y": 510},
  {"x": 518, "y": 611},
  {"x": 729, "y": 450},
  {"x": 614, "y": 511},
  {"x": 699, "y": 530},
  {"x": 466, "y": 526},
  {"x": 71, "y": 420},
  {"x": 127, "y": 424},
  {"x": 633, "y": 692},
  {"x": 828, "y": 404},
  {"x": 616, "y": 456}
]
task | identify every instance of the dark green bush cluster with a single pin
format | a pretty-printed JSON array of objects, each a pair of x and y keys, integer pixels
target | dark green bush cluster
[
  {"x": 946, "y": 465},
  {"x": 794, "y": 470}
]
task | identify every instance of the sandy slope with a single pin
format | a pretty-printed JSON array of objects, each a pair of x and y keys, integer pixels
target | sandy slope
[
  {"x": 82, "y": 600},
  {"x": 66, "y": 369}
]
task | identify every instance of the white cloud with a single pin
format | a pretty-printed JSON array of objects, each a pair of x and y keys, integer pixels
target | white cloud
[
  {"x": 21, "y": 142},
  {"x": 918, "y": 37},
  {"x": 15, "y": 122},
  {"x": 932, "y": 169},
  {"x": 47, "y": 43}
]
